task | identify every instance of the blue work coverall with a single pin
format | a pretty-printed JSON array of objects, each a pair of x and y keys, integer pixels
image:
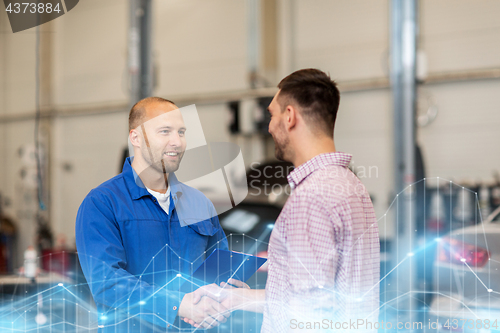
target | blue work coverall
[{"x": 134, "y": 255}]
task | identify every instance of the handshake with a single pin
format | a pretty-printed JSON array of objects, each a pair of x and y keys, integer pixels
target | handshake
[{"x": 211, "y": 305}]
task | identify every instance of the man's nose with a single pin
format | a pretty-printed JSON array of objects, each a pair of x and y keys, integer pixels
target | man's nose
[{"x": 175, "y": 140}]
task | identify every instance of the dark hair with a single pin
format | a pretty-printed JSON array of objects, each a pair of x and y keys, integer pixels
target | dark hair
[
  {"x": 137, "y": 113},
  {"x": 316, "y": 95}
]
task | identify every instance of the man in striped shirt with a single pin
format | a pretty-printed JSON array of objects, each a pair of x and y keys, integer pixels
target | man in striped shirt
[{"x": 324, "y": 251}]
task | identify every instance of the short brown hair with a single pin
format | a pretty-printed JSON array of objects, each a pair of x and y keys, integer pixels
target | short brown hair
[
  {"x": 315, "y": 93},
  {"x": 137, "y": 114}
]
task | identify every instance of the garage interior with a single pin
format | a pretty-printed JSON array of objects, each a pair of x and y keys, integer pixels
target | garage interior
[{"x": 419, "y": 112}]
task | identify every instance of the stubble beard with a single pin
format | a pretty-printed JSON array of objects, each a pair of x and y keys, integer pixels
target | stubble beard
[
  {"x": 279, "y": 148},
  {"x": 280, "y": 145},
  {"x": 278, "y": 152},
  {"x": 167, "y": 166}
]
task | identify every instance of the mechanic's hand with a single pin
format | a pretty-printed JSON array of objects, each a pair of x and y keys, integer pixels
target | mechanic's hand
[
  {"x": 210, "y": 290},
  {"x": 226, "y": 294},
  {"x": 231, "y": 283},
  {"x": 221, "y": 295},
  {"x": 205, "y": 313}
]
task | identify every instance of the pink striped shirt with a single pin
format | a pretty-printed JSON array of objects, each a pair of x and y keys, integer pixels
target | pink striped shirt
[{"x": 324, "y": 251}]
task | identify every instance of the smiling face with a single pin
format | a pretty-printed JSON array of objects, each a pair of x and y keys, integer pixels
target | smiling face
[
  {"x": 163, "y": 137},
  {"x": 277, "y": 129}
]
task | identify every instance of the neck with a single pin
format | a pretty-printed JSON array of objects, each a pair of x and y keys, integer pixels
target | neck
[
  {"x": 150, "y": 177},
  {"x": 311, "y": 148}
]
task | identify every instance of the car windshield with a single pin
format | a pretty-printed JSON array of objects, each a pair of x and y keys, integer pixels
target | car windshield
[{"x": 239, "y": 220}]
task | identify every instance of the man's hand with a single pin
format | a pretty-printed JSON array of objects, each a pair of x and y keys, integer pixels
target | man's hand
[
  {"x": 227, "y": 295},
  {"x": 235, "y": 295},
  {"x": 236, "y": 283},
  {"x": 215, "y": 294},
  {"x": 219, "y": 294},
  {"x": 212, "y": 291},
  {"x": 206, "y": 312}
]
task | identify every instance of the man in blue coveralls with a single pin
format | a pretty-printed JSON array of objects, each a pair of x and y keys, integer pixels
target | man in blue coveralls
[{"x": 134, "y": 244}]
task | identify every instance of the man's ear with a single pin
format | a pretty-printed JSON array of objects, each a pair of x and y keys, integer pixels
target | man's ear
[
  {"x": 135, "y": 137},
  {"x": 290, "y": 117}
]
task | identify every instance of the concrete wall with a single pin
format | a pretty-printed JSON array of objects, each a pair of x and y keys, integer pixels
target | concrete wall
[
  {"x": 460, "y": 35},
  {"x": 90, "y": 53},
  {"x": 349, "y": 39},
  {"x": 200, "y": 47},
  {"x": 3, "y": 94},
  {"x": 17, "y": 76}
]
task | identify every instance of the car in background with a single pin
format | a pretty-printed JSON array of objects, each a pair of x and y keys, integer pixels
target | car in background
[
  {"x": 467, "y": 279},
  {"x": 248, "y": 228}
]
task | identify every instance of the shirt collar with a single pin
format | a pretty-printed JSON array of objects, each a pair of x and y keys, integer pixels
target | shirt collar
[
  {"x": 317, "y": 162},
  {"x": 135, "y": 185}
]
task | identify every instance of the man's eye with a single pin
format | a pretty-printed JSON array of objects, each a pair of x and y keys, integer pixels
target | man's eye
[
  {"x": 181, "y": 133},
  {"x": 164, "y": 131}
]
